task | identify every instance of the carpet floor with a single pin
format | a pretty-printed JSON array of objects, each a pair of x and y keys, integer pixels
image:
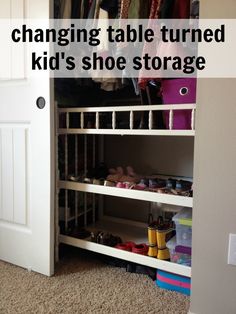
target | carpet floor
[{"x": 84, "y": 284}]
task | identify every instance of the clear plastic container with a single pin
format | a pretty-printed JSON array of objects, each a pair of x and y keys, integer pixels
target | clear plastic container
[
  {"x": 179, "y": 254},
  {"x": 183, "y": 223}
]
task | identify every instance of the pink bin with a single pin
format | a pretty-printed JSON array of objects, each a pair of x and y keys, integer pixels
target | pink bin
[{"x": 179, "y": 91}]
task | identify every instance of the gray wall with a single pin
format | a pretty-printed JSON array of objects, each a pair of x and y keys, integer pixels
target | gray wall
[{"x": 213, "y": 281}]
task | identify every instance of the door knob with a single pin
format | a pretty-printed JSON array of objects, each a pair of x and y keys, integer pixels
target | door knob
[{"x": 41, "y": 102}]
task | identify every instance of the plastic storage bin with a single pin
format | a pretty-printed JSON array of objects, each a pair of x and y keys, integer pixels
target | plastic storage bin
[
  {"x": 179, "y": 254},
  {"x": 183, "y": 223}
]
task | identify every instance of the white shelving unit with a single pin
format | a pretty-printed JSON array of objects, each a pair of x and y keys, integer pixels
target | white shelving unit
[
  {"x": 128, "y": 193},
  {"x": 127, "y": 230},
  {"x": 131, "y": 110}
]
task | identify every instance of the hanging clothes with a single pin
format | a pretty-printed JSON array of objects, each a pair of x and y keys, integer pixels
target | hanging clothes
[
  {"x": 111, "y": 83},
  {"x": 166, "y": 10},
  {"x": 139, "y": 9},
  {"x": 181, "y": 9},
  {"x": 92, "y": 10},
  {"x": 85, "y": 7},
  {"x": 124, "y": 10},
  {"x": 195, "y": 9},
  {"x": 111, "y": 6},
  {"x": 66, "y": 7},
  {"x": 76, "y": 9},
  {"x": 155, "y": 13}
]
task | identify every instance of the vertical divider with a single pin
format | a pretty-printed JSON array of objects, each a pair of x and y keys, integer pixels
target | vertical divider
[
  {"x": 67, "y": 120},
  {"x": 82, "y": 120},
  {"x": 193, "y": 120},
  {"x": 150, "y": 121},
  {"x": 85, "y": 173},
  {"x": 76, "y": 174},
  {"x": 97, "y": 121},
  {"x": 94, "y": 164},
  {"x": 66, "y": 177},
  {"x": 113, "y": 120},
  {"x": 131, "y": 122},
  {"x": 101, "y": 159},
  {"x": 171, "y": 119},
  {"x": 57, "y": 190}
]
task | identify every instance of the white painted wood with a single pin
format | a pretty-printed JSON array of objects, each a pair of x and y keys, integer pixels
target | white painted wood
[
  {"x": 193, "y": 120},
  {"x": 82, "y": 120},
  {"x": 97, "y": 120},
  {"x": 171, "y": 119},
  {"x": 18, "y": 66},
  {"x": 113, "y": 120},
  {"x": 27, "y": 185},
  {"x": 20, "y": 154},
  {"x": 5, "y": 61},
  {"x": 1, "y": 208},
  {"x": 129, "y": 108},
  {"x": 131, "y": 122},
  {"x": 127, "y": 193},
  {"x": 7, "y": 175},
  {"x": 128, "y": 256},
  {"x": 128, "y": 132},
  {"x": 150, "y": 120}
]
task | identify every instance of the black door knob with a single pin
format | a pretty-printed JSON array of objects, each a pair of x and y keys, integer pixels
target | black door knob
[{"x": 41, "y": 102}]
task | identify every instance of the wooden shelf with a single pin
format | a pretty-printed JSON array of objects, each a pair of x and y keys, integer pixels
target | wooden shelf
[
  {"x": 128, "y": 132},
  {"x": 127, "y": 193},
  {"x": 127, "y": 232}
]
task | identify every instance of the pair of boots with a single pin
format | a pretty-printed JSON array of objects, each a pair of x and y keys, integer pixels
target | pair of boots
[{"x": 157, "y": 234}]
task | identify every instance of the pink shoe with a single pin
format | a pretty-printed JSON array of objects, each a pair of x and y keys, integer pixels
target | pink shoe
[
  {"x": 129, "y": 185},
  {"x": 121, "y": 185}
]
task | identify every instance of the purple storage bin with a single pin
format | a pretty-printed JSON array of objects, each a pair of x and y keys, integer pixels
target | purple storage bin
[{"x": 179, "y": 91}]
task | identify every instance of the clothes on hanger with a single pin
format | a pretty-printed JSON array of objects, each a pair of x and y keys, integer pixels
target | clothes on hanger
[
  {"x": 195, "y": 9},
  {"x": 124, "y": 10},
  {"x": 139, "y": 9},
  {"x": 181, "y": 9},
  {"x": 164, "y": 9},
  {"x": 155, "y": 13},
  {"x": 111, "y": 6}
]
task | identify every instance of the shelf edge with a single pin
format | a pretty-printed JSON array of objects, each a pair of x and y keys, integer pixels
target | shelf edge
[{"x": 128, "y": 256}]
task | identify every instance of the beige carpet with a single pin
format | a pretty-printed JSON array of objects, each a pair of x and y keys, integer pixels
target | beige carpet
[{"x": 83, "y": 284}]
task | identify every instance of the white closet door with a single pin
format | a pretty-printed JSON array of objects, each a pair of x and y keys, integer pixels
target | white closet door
[{"x": 26, "y": 176}]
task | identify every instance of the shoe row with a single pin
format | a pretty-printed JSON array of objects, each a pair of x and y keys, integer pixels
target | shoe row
[
  {"x": 108, "y": 239},
  {"x": 128, "y": 179}
]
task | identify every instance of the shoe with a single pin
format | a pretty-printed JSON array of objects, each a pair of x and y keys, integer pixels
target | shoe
[
  {"x": 73, "y": 178},
  {"x": 171, "y": 184},
  {"x": 98, "y": 181},
  {"x": 121, "y": 185},
  {"x": 152, "y": 251},
  {"x": 109, "y": 183},
  {"x": 156, "y": 183},
  {"x": 163, "y": 229},
  {"x": 140, "y": 249},
  {"x": 182, "y": 186},
  {"x": 127, "y": 246},
  {"x": 142, "y": 185}
]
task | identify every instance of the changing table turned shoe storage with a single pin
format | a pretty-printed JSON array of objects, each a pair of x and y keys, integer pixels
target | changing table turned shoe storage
[{"x": 82, "y": 185}]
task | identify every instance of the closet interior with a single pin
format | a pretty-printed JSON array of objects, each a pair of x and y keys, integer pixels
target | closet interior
[{"x": 125, "y": 155}]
